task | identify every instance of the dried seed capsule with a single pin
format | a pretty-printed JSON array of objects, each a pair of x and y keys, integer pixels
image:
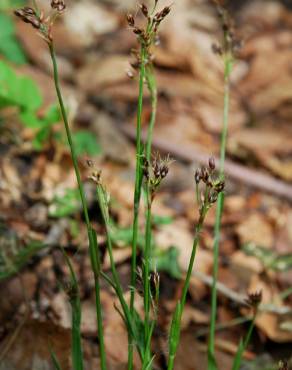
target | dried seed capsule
[
  {"x": 144, "y": 10},
  {"x": 220, "y": 186},
  {"x": 198, "y": 175},
  {"x": 164, "y": 171},
  {"x": 205, "y": 174},
  {"x": 211, "y": 163},
  {"x": 254, "y": 299},
  {"x": 138, "y": 31},
  {"x": 165, "y": 11},
  {"x": 130, "y": 20},
  {"x": 19, "y": 13},
  {"x": 58, "y": 5},
  {"x": 29, "y": 11},
  {"x": 213, "y": 197},
  {"x": 35, "y": 22}
]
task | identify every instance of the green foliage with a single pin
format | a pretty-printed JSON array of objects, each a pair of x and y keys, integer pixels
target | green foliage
[
  {"x": 161, "y": 220},
  {"x": 85, "y": 143},
  {"x": 18, "y": 91},
  {"x": 66, "y": 204},
  {"x": 269, "y": 258},
  {"x": 9, "y": 46},
  {"x": 166, "y": 260},
  {"x": 55, "y": 360},
  {"x": 10, "y": 4},
  {"x": 43, "y": 125}
]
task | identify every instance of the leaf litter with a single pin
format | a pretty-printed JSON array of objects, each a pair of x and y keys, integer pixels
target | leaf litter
[{"x": 94, "y": 59}]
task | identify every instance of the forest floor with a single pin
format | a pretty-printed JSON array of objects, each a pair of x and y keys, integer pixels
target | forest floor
[{"x": 39, "y": 204}]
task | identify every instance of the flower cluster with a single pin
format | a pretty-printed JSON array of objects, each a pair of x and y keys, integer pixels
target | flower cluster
[
  {"x": 147, "y": 35},
  {"x": 212, "y": 185},
  {"x": 230, "y": 44},
  {"x": 39, "y": 21},
  {"x": 155, "y": 172},
  {"x": 254, "y": 299}
]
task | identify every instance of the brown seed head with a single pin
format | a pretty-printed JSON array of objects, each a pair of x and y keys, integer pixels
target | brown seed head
[
  {"x": 138, "y": 31},
  {"x": 165, "y": 11},
  {"x": 254, "y": 299},
  {"x": 205, "y": 174},
  {"x": 130, "y": 20},
  {"x": 220, "y": 186},
  {"x": 198, "y": 175},
  {"x": 29, "y": 11},
  {"x": 144, "y": 10},
  {"x": 211, "y": 163},
  {"x": 19, "y": 13},
  {"x": 58, "y": 5},
  {"x": 213, "y": 197}
]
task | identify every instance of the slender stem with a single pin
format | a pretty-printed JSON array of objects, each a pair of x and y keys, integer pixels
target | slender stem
[
  {"x": 95, "y": 263},
  {"x": 243, "y": 345},
  {"x": 115, "y": 281},
  {"x": 93, "y": 247},
  {"x": 137, "y": 197},
  {"x": 69, "y": 137},
  {"x": 151, "y": 81},
  {"x": 146, "y": 274},
  {"x": 175, "y": 332},
  {"x": 219, "y": 210}
]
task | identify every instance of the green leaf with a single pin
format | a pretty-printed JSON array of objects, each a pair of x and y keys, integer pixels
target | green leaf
[
  {"x": 18, "y": 90},
  {"x": 30, "y": 119},
  {"x": 66, "y": 204},
  {"x": 86, "y": 143},
  {"x": 166, "y": 260},
  {"x": 11, "y": 50},
  {"x": 10, "y": 4},
  {"x": 9, "y": 46},
  {"x": 53, "y": 115},
  {"x": 40, "y": 138},
  {"x": 7, "y": 27},
  {"x": 55, "y": 360},
  {"x": 161, "y": 220}
]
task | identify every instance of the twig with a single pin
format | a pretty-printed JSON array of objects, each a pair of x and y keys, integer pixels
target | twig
[{"x": 190, "y": 154}]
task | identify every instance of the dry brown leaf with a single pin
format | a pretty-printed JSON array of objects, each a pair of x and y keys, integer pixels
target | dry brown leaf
[
  {"x": 93, "y": 20},
  {"x": 256, "y": 229}
]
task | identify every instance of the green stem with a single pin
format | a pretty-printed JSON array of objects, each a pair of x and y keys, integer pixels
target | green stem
[
  {"x": 176, "y": 321},
  {"x": 102, "y": 198},
  {"x": 219, "y": 211},
  {"x": 137, "y": 197},
  {"x": 146, "y": 275},
  {"x": 93, "y": 247},
  {"x": 151, "y": 81},
  {"x": 69, "y": 137},
  {"x": 243, "y": 345}
]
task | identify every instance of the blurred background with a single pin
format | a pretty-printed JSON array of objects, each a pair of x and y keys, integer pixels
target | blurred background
[{"x": 39, "y": 203}]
